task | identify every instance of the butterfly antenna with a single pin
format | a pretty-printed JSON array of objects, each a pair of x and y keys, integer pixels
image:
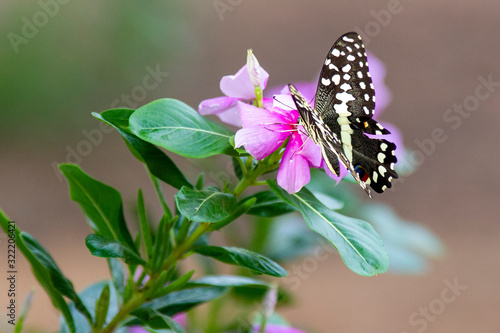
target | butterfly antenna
[{"x": 285, "y": 105}]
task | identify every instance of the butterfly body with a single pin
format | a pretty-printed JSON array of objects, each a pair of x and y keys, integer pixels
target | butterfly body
[{"x": 342, "y": 117}]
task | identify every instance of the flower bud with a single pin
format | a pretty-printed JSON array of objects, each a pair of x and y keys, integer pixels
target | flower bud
[{"x": 253, "y": 68}]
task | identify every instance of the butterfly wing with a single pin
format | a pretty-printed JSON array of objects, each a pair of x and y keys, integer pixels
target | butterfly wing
[
  {"x": 374, "y": 160},
  {"x": 345, "y": 100},
  {"x": 331, "y": 146}
]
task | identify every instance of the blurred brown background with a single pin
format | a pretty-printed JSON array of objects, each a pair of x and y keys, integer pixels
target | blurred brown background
[{"x": 85, "y": 55}]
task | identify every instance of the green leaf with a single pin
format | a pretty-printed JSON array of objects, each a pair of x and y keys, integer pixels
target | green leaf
[
  {"x": 101, "y": 307},
  {"x": 200, "y": 181},
  {"x": 359, "y": 245},
  {"x": 158, "y": 163},
  {"x": 177, "y": 127},
  {"x": 143, "y": 222},
  {"x": 117, "y": 274},
  {"x": 89, "y": 297},
  {"x": 60, "y": 282},
  {"x": 209, "y": 205},
  {"x": 269, "y": 205},
  {"x": 183, "y": 300},
  {"x": 237, "y": 167},
  {"x": 241, "y": 209},
  {"x": 156, "y": 320},
  {"x": 244, "y": 258},
  {"x": 229, "y": 281},
  {"x": 39, "y": 270},
  {"x": 175, "y": 285},
  {"x": 162, "y": 245},
  {"x": 109, "y": 248},
  {"x": 101, "y": 203}
]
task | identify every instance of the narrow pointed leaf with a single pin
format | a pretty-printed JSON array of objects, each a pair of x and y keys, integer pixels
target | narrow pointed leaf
[
  {"x": 238, "y": 171},
  {"x": 162, "y": 242},
  {"x": 200, "y": 181},
  {"x": 41, "y": 272},
  {"x": 158, "y": 163},
  {"x": 58, "y": 279},
  {"x": 359, "y": 245},
  {"x": 101, "y": 203},
  {"x": 144, "y": 224},
  {"x": 157, "y": 320},
  {"x": 177, "y": 284},
  {"x": 229, "y": 281},
  {"x": 101, "y": 307},
  {"x": 177, "y": 127},
  {"x": 89, "y": 297},
  {"x": 244, "y": 258},
  {"x": 117, "y": 274},
  {"x": 108, "y": 248},
  {"x": 183, "y": 300}
]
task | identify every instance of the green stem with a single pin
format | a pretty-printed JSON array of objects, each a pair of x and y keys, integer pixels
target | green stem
[
  {"x": 185, "y": 245},
  {"x": 242, "y": 166},
  {"x": 242, "y": 186},
  {"x": 138, "y": 299},
  {"x": 259, "y": 97},
  {"x": 250, "y": 177},
  {"x": 263, "y": 324},
  {"x": 248, "y": 164},
  {"x": 131, "y": 305}
]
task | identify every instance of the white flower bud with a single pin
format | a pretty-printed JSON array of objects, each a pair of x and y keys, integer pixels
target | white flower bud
[{"x": 253, "y": 68}]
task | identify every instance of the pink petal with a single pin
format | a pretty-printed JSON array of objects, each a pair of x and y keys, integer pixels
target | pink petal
[
  {"x": 240, "y": 85},
  {"x": 253, "y": 116},
  {"x": 310, "y": 150},
  {"x": 285, "y": 102},
  {"x": 215, "y": 105},
  {"x": 306, "y": 88},
  {"x": 276, "y": 90},
  {"x": 223, "y": 107},
  {"x": 259, "y": 141},
  {"x": 181, "y": 318},
  {"x": 293, "y": 172},
  {"x": 231, "y": 116}
]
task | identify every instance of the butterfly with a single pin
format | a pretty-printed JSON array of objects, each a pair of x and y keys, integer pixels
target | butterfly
[{"x": 343, "y": 115}]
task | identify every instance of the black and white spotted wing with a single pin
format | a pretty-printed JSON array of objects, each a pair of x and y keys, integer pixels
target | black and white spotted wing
[
  {"x": 331, "y": 146},
  {"x": 345, "y": 103}
]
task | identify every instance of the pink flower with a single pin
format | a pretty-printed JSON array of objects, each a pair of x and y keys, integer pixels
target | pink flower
[
  {"x": 238, "y": 87},
  {"x": 265, "y": 130}
]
